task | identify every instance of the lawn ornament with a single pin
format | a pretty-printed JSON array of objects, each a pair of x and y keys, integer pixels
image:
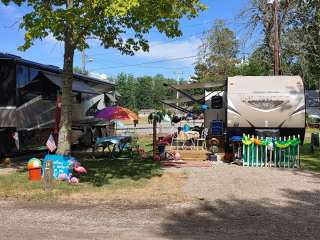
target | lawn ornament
[
  {"x": 63, "y": 177},
  {"x": 80, "y": 169},
  {"x": 34, "y": 163},
  {"x": 74, "y": 180}
]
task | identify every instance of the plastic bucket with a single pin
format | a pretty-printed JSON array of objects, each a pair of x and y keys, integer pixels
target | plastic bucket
[{"x": 35, "y": 174}]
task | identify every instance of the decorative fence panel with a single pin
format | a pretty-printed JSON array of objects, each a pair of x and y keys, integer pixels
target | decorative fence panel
[{"x": 271, "y": 152}]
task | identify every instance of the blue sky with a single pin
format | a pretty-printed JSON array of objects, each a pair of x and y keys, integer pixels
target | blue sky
[{"x": 110, "y": 62}]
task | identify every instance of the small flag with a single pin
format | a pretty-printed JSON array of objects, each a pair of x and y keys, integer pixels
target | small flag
[
  {"x": 51, "y": 145},
  {"x": 15, "y": 136}
]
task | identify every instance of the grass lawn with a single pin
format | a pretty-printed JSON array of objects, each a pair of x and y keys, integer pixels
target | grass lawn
[
  {"x": 310, "y": 160},
  {"x": 120, "y": 179},
  {"x": 107, "y": 180}
]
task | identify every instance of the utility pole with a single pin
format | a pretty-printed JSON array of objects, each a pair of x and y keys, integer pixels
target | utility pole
[
  {"x": 276, "y": 39},
  {"x": 83, "y": 66},
  {"x": 178, "y": 79}
]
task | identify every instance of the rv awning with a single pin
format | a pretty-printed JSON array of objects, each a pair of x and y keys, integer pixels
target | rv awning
[
  {"x": 77, "y": 86},
  {"x": 183, "y": 99},
  {"x": 198, "y": 85},
  {"x": 111, "y": 97}
]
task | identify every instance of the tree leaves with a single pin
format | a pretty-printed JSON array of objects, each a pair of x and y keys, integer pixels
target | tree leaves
[{"x": 119, "y": 24}]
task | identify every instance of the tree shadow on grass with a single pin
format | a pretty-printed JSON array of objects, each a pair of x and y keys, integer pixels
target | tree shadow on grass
[
  {"x": 102, "y": 170},
  {"x": 298, "y": 217}
]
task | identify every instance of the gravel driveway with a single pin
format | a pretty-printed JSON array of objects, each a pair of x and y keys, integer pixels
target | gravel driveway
[{"x": 226, "y": 202}]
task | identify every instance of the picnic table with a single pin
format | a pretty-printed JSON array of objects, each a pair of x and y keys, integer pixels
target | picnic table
[{"x": 117, "y": 142}]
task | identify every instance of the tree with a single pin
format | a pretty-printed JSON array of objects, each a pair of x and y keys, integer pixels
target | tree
[
  {"x": 299, "y": 23},
  {"x": 144, "y": 92},
  {"x": 120, "y": 24},
  {"x": 217, "y": 54}
]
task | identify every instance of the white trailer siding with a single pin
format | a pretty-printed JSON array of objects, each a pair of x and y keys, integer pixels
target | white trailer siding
[{"x": 266, "y": 102}]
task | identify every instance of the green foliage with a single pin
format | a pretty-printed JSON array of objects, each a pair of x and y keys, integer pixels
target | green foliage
[
  {"x": 143, "y": 92},
  {"x": 117, "y": 24},
  {"x": 217, "y": 55},
  {"x": 156, "y": 116},
  {"x": 299, "y": 36}
]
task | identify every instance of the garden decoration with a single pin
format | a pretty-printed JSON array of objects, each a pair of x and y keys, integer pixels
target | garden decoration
[
  {"x": 34, "y": 169},
  {"x": 271, "y": 152}
]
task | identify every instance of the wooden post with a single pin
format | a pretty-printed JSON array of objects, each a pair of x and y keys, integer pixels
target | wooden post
[
  {"x": 48, "y": 176},
  {"x": 243, "y": 152},
  {"x": 298, "y": 153},
  {"x": 257, "y": 153}
]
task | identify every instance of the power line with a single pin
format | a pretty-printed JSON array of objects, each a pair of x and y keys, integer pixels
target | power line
[{"x": 144, "y": 63}]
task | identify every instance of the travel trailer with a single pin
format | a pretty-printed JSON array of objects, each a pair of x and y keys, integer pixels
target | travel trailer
[
  {"x": 28, "y": 98},
  {"x": 259, "y": 105},
  {"x": 255, "y": 105}
]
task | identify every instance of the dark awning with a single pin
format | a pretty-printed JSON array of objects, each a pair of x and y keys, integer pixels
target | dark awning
[
  {"x": 77, "y": 86},
  {"x": 183, "y": 99}
]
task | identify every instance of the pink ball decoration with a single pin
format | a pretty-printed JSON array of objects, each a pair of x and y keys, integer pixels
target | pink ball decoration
[
  {"x": 63, "y": 177},
  {"x": 74, "y": 180},
  {"x": 177, "y": 156},
  {"x": 80, "y": 169},
  {"x": 156, "y": 158}
]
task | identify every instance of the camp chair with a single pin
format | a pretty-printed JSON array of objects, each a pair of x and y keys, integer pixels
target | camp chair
[
  {"x": 203, "y": 139},
  {"x": 179, "y": 138}
]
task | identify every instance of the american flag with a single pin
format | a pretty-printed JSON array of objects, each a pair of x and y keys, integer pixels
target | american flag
[{"x": 51, "y": 145}]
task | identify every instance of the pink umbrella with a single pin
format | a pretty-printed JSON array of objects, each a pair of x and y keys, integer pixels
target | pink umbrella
[{"x": 116, "y": 113}]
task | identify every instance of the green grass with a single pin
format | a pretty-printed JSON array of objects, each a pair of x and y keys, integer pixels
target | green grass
[
  {"x": 310, "y": 160},
  {"x": 106, "y": 173},
  {"x": 107, "y": 178},
  {"x": 146, "y": 142}
]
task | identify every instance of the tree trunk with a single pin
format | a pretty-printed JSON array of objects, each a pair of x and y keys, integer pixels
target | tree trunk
[
  {"x": 64, "y": 140},
  {"x": 154, "y": 138}
]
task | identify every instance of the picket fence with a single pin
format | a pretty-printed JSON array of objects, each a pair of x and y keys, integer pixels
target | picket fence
[{"x": 271, "y": 152}]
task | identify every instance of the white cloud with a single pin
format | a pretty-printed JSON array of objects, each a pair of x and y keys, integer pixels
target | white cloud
[
  {"x": 51, "y": 39},
  {"x": 171, "y": 50}
]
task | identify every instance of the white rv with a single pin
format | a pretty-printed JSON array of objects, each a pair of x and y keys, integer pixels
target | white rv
[
  {"x": 28, "y": 99},
  {"x": 260, "y": 105}
]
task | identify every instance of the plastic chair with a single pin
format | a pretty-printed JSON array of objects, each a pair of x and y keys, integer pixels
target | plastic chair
[
  {"x": 203, "y": 139},
  {"x": 179, "y": 138}
]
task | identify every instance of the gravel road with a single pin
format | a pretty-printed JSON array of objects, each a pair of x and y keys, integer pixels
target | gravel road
[{"x": 226, "y": 202}]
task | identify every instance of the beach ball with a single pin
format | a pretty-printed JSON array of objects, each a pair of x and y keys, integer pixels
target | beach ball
[{"x": 34, "y": 163}]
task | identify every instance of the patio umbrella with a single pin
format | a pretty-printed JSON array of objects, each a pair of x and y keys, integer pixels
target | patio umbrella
[{"x": 116, "y": 113}]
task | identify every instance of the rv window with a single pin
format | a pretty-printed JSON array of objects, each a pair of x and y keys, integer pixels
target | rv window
[
  {"x": 33, "y": 73},
  {"x": 7, "y": 84},
  {"x": 216, "y": 102},
  {"x": 22, "y": 76}
]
